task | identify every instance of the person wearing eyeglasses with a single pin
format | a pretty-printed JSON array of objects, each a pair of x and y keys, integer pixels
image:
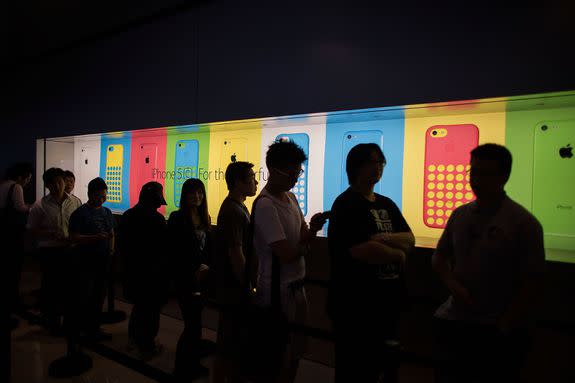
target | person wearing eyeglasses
[
  {"x": 368, "y": 240},
  {"x": 280, "y": 231}
]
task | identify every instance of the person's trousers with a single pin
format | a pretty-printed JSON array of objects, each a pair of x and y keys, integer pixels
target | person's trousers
[
  {"x": 467, "y": 352},
  {"x": 363, "y": 346},
  {"x": 144, "y": 322},
  {"x": 188, "y": 350},
  {"x": 55, "y": 265}
]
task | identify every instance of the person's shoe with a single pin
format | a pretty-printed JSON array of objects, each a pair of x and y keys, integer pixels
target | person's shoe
[
  {"x": 147, "y": 354},
  {"x": 198, "y": 371}
]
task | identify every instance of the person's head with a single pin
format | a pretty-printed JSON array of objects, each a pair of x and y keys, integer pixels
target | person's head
[
  {"x": 490, "y": 169},
  {"x": 54, "y": 181},
  {"x": 284, "y": 160},
  {"x": 69, "y": 180},
  {"x": 193, "y": 195},
  {"x": 364, "y": 164},
  {"x": 240, "y": 177},
  {"x": 20, "y": 172},
  {"x": 152, "y": 195},
  {"x": 97, "y": 192}
]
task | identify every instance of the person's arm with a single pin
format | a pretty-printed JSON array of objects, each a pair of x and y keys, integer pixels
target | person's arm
[
  {"x": 238, "y": 262},
  {"x": 441, "y": 264},
  {"x": 532, "y": 280},
  {"x": 403, "y": 241},
  {"x": 34, "y": 224},
  {"x": 82, "y": 239},
  {"x": 18, "y": 199},
  {"x": 315, "y": 224},
  {"x": 112, "y": 242},
  {"x": 376, "y": 253}
]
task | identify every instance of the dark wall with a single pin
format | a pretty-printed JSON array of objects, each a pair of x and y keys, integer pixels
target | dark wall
[{"x": 220, "y": 61}]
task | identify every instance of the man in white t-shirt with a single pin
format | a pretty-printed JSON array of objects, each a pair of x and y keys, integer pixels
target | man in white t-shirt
[
  {"x": 281, "y": 231},
  {"x": 491, "y": 258}
]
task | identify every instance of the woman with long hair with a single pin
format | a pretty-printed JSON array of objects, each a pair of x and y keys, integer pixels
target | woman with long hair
[{"x": 188, "y": 230}]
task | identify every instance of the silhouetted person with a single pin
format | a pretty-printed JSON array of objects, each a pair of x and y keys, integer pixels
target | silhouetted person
[
  {"x": 368, "y": 241},
  {"x": 491, "y": 258},
  {"x": 13, "y": 215},
  {"x": 280, "y": 231},
  {"x": 70, "y": 181},
  {"x": 188, "y": 230},
  {"x": 231, "y": 245},
  {"x": 92, "y": 230},
  {"x": 48, "y": 223},
  {"x": 142, "y": 238}
]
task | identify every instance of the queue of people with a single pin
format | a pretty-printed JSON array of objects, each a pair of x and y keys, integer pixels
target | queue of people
[{"x": 490, "y": 257}]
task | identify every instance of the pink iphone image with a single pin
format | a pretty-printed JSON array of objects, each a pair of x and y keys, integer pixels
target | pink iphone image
[{"x": 446, "y": 175}]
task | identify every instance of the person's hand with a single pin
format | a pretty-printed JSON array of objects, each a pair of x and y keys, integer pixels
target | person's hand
[
  {"x": 102, "y": 236},
  {"x": 380, "y": 237},
  {"x": 202, "y": 273},
  {"x": 58, "y": 235},
  {"x": 402, "y": 259},
  {"x": 461, "y": 295},
  {"x": 317, "y": 221}
]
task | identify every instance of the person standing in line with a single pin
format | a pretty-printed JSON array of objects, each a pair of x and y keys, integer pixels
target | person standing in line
[
  {"x": 48, "y": 224},
  {"x": 70, "y": 181},
  {"x": 492, "y": 259},
  {"x": 92, "y": 231},
  {"x": 142, "y": 240},
  {"x": 232, "y": 245},
  {"x": 368, "y": 241},
  {"x": 188, "y": 230},
  {"x": 280, "y": 231},
  {"x": 13, "y": 215}
]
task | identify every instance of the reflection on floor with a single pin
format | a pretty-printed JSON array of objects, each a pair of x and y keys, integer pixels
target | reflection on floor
[
  {"x": 114, "y": 362},
  {"x": 33, "y": 349}
]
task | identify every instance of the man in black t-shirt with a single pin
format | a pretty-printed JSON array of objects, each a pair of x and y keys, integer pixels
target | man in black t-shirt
[
  {"x": 92, "y": 230},
  {"x": 368, "y": 242},
  {"x": 232, "y": 244}
]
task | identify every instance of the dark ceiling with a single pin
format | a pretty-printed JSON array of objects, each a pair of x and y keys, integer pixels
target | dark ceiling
[{"x": 36, "y": 28}]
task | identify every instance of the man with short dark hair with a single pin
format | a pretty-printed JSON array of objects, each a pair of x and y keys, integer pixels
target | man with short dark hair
[
  {"x": 48, "y": 223},
  {"x": 281, "y": 235},
  {"x": 70, "y": 181},
  {"x": 491, "y": 258},
  {"x": 232, "y": 244},
  {"x": 92, "y": 230},
  {"x": 368, "y": 240}
]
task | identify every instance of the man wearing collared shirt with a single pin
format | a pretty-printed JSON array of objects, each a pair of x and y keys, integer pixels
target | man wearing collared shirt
[
  {"x": 70, "y": 182},
  {"x": 48, "y": 224},
  {"x": 491, "y": 258}
]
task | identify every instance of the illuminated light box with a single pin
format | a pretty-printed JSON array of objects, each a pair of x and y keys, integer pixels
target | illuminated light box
[{"x": 426, "y": 145}]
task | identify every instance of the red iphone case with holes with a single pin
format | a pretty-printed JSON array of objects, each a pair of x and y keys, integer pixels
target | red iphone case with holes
[{"x": 446, "y": 182}]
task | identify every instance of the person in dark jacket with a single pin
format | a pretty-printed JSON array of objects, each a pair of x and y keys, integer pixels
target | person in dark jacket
[
  {"x": 188, "y": 230},
  {"x": 142, "y": 242}
]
